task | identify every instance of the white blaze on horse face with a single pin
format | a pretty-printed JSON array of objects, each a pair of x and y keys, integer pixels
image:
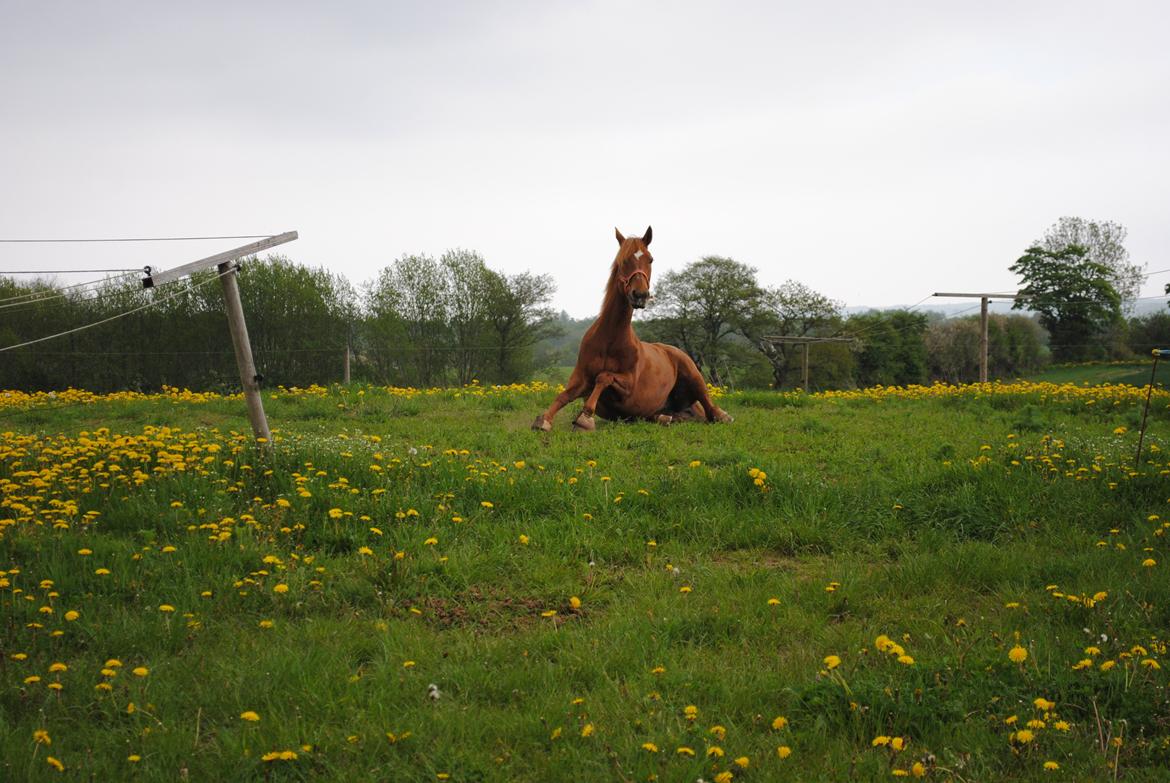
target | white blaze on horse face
[{"x": 639, "y": 254}]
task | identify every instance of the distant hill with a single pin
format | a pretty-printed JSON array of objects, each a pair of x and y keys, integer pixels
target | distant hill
[{"x": 967, "y": 307}]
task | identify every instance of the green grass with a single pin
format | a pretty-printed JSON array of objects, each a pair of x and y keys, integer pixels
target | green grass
[
  {"x": 956, "y": 525},
  {"x": 1133, "y": 373}
]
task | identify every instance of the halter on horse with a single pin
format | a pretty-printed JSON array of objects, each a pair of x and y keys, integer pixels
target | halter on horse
[{"x": 621, "y": 376}]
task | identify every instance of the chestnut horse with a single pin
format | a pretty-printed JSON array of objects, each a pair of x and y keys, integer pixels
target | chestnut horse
[{"x": 621, "y": 376}]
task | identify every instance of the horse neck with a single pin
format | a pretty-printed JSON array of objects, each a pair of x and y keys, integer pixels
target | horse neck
[{"x": 616, "y": 313}]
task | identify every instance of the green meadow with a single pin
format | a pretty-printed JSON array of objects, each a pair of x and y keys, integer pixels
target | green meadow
[{"x": 964, "y": 584}]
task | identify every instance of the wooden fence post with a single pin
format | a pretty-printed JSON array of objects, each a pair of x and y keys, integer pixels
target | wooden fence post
[{"x": 239, "y": 329}]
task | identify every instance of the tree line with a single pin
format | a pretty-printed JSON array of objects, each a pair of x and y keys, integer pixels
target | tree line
[
  {"x": 426, "y": 321},
  {"x": 422, "y": 321},
  {"x": 1075, "y": 284}
]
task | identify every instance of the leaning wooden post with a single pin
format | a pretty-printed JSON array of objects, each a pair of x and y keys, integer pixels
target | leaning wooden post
[
  {"x": 226, "y": 263},
  {"x": 239, "y": 329},
  {"x": 983, "y": 340},
  {"x": 806, "y": 368},
  {"x": 345, "y": 368}
]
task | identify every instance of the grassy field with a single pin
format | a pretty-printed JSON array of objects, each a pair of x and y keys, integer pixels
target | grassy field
[
  {"x": 963, "y": 584},
  {"x": 1133, "y": 373}
]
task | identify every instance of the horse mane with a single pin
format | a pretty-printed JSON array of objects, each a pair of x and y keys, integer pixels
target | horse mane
[{"x": 612, "y": 290}]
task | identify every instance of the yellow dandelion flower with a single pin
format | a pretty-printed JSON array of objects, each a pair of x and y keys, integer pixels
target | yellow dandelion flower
[
  {"x": 779, "y": 722},
  {"x": 832, "y": 661},
  {"x": 783, "y": 751},
  {"x": 249, "y": 715},
  {"x": 1018, "y": 654}
]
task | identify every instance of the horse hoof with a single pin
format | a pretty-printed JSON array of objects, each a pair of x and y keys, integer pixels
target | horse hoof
[
  {"x": 723, "y": 417},
  {"x": 663, "y": 419},
  {"x": 584, "y": 422},
  {"x": 542, "y": 424}
]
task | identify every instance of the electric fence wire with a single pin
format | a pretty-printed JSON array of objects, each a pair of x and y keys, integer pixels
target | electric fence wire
[
  {"x": 115, "y": 317},
  {"x": 134, "y": 239},
  {"x": 60, "y": 271},
  {"x": 56, "y": 293}
]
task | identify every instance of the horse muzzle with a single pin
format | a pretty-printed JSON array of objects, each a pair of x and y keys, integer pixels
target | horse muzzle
[{"x": 638, "y": 299}]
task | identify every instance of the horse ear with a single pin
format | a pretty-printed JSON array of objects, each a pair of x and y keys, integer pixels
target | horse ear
[
  {"x": 648, "y": 236},
  {"x": 620, "y": 238}
]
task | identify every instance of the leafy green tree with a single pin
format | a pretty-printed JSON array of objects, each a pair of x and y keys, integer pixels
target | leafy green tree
[
  {"x": 469, "y": 287},
  {"x": 1015, "y": 347},
  {"x": 298, "y": 319},
  {"x": 517, "y": 315},
  {"x": 1074, "y": 297},
  {"x": 892, "y": 350},
  {"x": 702, "y": 307},
  {"x": 1149, "y": 332},
  {"x": 795, "y": 310},
  {"x": 409, "y": 334},
  {"x": 1103, "y": 243}
]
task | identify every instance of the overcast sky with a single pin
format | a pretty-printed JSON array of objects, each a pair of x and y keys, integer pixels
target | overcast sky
[{"x": 874, "y": 151}]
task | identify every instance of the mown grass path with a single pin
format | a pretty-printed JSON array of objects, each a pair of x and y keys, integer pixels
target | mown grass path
[{"x": 956, "y": 583}]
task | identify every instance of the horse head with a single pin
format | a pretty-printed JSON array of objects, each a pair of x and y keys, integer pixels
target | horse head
[{"x": 632, "y": 267}]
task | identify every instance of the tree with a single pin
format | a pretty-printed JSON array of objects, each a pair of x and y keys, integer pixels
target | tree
[
  {"x": 1074, "y": 297},
  {"x": 1104, "y": 244},
  {"x": 701, "y": 307},
  {"x": 1015, "y": 346},
  {"x": 892, "y": 351},
  {"x": 469, "y": 284},
  {"x": 409, "y": 330},
  {"x": 792, "y": 309},
  {"x": 298, "y": 319},
  {"x": 1149, "y": 332},
  {"x": 517, "y": 315}
]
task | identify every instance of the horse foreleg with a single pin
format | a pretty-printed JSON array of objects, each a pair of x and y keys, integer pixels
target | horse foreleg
[
  {"x": 603, "y": 381},
  {"x": 573, "y": 389}
]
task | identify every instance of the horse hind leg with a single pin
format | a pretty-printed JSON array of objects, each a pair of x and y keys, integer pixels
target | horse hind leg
[{"x": 694, "y": 401}]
